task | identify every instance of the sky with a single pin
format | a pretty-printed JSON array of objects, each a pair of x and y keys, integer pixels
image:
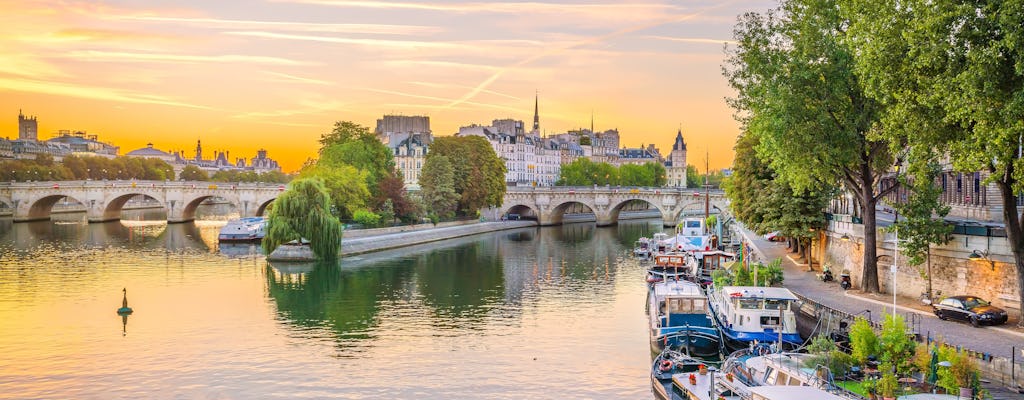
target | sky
[{"x": 276, "y": 74}]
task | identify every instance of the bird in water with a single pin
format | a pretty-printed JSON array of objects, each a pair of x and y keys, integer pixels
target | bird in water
[{"x": 124, "y": 310}]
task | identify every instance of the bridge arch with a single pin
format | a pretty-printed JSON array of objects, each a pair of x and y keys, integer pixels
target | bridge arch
[
  {"x": 112, "y": 210},
  {"x": 188, "y": 212},
  {"x": 524, "y": 211},
  {"x": 557, "y": 213},
  {"x": 263, "y": 206},
  {"x": 613, "y": 212},
  {"x": 41, "y": 208}
]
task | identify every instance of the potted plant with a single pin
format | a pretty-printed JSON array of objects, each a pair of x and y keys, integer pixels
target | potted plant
[
  {"x": 870, "y": 386},
  {"x": 887, "y": 386},
  {"x": 964, "y": 371}
]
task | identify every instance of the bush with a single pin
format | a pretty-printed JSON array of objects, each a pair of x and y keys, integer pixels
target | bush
[
  {"x": 895, "y": 346},
  {"x": 822, "y": 344},
  {"x": 838, "y": 363},
  {"x": 366, "y": 218},
  {"x": 721, "y": 278},
  {"x": 887, "y": 385},
  {"x": 962, "y": 373},
  {"x": 863, "y": 342}
]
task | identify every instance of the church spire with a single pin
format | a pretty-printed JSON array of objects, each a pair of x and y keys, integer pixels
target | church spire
[{"x": 536, "y": 115}]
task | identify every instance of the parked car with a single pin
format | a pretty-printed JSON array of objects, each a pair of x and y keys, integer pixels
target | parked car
[{"x": 969, "y": 309}]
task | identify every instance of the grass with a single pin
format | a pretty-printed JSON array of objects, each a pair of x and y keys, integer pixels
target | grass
[{"x": 853, "y": 386}]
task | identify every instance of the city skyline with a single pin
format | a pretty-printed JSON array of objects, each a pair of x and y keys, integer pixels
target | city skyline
[{"x": 278, "y": 74}]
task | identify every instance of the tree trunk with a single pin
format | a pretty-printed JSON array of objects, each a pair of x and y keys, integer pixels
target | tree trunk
[
  {"x": 869, "y": 276},
  {"x": 807, "y": 249},
  {"x": 1014, "y": 237}
]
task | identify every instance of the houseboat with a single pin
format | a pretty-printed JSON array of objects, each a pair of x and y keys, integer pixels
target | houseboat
[
  {"x": 746, "y": 314},
  {"x": 243, "y": 230},
  {"x": 749, "y": 368},
  {"x": 679, "y": 319},
  {"x": 643, "y": 249}
]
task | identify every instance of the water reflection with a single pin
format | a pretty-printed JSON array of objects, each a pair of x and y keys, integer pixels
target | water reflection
[{"x": 457, "y": 283}]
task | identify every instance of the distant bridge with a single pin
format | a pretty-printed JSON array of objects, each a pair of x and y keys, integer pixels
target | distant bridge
[
  {"x": 548, "y": 204},
  {"x": 103, "y": 200}
]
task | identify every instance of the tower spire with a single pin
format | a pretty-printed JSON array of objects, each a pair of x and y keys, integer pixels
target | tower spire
[{"x": 536, "y": 115}]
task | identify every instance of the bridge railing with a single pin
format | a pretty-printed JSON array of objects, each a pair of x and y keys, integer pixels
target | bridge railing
[{"x": 129, "y": 183}]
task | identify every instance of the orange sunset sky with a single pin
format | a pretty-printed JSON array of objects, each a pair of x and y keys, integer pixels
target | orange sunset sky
[{"x": 276, "y": 74}]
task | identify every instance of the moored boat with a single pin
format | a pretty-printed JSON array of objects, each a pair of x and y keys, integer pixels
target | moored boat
[
  {"x": 243, "y": 230},
  {"x": 751, "y": 368},
  {"x": 746, "y": 314},
  {"x": 679, "y": 319},
  {"x": 643, "y": 249},
  {"x": 668, "y": 364}
]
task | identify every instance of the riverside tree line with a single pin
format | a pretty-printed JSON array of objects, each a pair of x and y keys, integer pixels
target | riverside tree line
[
  {"x": 44, "y": 168},
  {"x": 837, "y": 94}
]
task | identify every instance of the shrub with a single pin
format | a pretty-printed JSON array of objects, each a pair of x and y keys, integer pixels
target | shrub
[
  {"x": 366, "y": 218},
  {"x": 963, "y": 372},
  {"x": 863, "y": 342},
  {"x": 887, "y": 385},
  {"x": 822, "y": 344},
  {"x": 895, "y": 347},
  {"x": 721, "y": 278}
]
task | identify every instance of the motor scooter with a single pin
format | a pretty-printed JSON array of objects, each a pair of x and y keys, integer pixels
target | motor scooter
[
  {"x": 826, "y": 275},
  {"x": 844, "y": 281}
]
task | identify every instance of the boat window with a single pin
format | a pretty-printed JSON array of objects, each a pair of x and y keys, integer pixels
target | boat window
[
  {"x": 775, "y": 304},
  {"x": 679, "y": 305},
  {"x": 693, "y": 224},
  {"x": 750, "y": 304},
  {"x": 782, "y": 378},
  {"x": 769, "y": 376},
  {"x": 699, "y": 305}
]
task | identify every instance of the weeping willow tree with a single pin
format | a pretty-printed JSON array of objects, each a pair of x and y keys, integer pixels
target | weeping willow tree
[{"x": 304, "y": 212}]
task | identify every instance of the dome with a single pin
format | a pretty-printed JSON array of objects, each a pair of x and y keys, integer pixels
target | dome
[{"x": 148, "y": 151}]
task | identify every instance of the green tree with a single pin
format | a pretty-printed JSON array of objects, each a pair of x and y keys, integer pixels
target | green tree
[
  {"x": 353, "y": 144},
  {"x": 950, "y": 75},
  {"x": 345, "y": 184},
  {"x": 192, "y": 173},
  {"x": 656, "y": 171},
  {"x": 576, "y": 173},
  {"x": 797, "y": 91},
  {"x": 634, "y": 175},
  {"x": 303, "y": 212},
  {"x": 921, "y": 224},
  {"x": 895, "y": 347},
  {"x": 437, "y": 183},
  {"x": 479, "y": 173},
  {"x": 863, "y": 341},
  {"x": 693, "y": 177}
]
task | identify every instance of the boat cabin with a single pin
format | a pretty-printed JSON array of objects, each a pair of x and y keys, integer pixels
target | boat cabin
[
  {"x": 670, "y": 260},
  {"x": 790, "y": 392},
  {"x": 759, "y": 312},
  {"x": 691, "y": 227},
  {"x": 711, "y": 261}
]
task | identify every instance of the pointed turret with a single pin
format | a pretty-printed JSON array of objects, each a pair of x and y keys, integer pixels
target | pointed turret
[
  {"x": 679, "y": 144},
  {"x": 536, "y": 114}
]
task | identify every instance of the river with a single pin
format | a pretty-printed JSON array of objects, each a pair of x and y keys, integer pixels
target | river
[{"x": 552, "y": 312}]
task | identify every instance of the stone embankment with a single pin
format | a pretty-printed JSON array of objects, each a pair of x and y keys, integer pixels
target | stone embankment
[{"x": 370, "y": 240}]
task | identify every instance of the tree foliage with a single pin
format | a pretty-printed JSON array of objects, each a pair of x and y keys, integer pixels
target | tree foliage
[
  {"x": 193, "y": 173},
  {"x": 303, "y": 211},
  {"x": 437, "y": 183},
  {"x": 863, "y": 341},
  {"x": 85, "y": 167},
  {"x": 352, "y": 144},
  {"x": 583, "y": 172},
  {"x": 921, "y": 224},
  {"x": 345, "y": 184},
  {"x": 950, "y": 74},
  {"x": 797, "y": 91},
  {"x": 479, "y": 175},
  {"x": 250, "y": 176}
]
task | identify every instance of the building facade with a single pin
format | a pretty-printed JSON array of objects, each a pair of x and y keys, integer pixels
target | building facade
[
  {"x": 675, "y": 166},
  {"x": 408, "y": 137}
]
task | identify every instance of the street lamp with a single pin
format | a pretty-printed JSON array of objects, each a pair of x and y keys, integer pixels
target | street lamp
[
  {"x": 978, "y": 255},
  {"x": 845, "y": 238}
]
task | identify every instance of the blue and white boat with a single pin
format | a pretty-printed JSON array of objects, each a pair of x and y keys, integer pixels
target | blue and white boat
[
  {"x": 243, "y": 230},
  {"x": 748, "y": 314},
  {"x": 680, "y": 319}
]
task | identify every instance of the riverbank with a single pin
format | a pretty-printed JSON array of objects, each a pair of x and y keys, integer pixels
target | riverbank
[{"x": 369, "y": 244}]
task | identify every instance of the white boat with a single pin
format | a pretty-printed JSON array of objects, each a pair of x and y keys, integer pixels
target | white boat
[
  {"x": 243, "y": 230},
  {"x": 750, "y": 372},
  {"x": 748, "y": 314},
  {"x": 722, "y": 386},
  {"x": 643, "y": 249}
]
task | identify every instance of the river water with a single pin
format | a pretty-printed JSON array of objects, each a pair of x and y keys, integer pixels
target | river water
[{"x": 553, "y": 312}]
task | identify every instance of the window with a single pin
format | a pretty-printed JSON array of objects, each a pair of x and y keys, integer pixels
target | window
[
  {"x": 977, "y": 182},
  {"x": 750, "y": 304}
]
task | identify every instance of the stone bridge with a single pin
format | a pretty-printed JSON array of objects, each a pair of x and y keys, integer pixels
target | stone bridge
[
  {"x": 548, "y": 204},
  {"x": 103, "y": 200}
]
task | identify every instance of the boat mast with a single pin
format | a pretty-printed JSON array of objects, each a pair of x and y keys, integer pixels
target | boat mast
[{"x": 707, "y": 194}]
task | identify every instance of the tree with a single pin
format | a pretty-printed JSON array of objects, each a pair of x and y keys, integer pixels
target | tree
[
  {"x": 392, "y": 191},
  {"x": 919, "y": 229},
  {"x": 353, "y": 144},
  {"x": 658, "y": 174},
  {"x": 797, "y": 91},
  {"x": 950, "y": 74},
  {"x": 479, "y": 173},
  {"x": 345, "y": 184},
  {"x": 192, "y": 173},
  {"x": 576, "y": 173},
  {"x": 304, "y": 212},
  {"x": 693, "y": 177},
  {"x": 437, "y": 183}
]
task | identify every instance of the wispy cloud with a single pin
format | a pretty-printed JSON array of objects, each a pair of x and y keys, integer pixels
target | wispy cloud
[
  {"x": 293, "y": 78},
  {"x": 453, "y": 86},
  {"x": 443, "y": 100},
  {"x": 89, "y": 92},
  {"x": 307, "y": 107},
  {"x": 95, "y": 55},
  {"x": 407, "y": 44},
  {"x": 373, "y": 29},
  {"x": 622, "y": 10},
  {"x": 692, "y": 40},
  {"x": 441, "y": 64}
]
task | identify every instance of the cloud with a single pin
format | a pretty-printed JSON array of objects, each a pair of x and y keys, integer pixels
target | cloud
[
  {"x": 373, "y": 29},
  {"x": 307, "y": 107},
  {"x": 447, "y": 85},
  {"x": 441, "y": 64},
  {"x": 406, "y": 44},
  {"x": 293, "y": 78},
  {"x": 613, "y": 11},
  {"x": 692, "y": 40},
  {"x": 95, "y": 55},
  {"x": 89, "y": 92}
]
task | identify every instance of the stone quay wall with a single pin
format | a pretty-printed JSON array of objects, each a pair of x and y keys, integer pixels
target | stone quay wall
[{"x": 952, "y": 273}]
